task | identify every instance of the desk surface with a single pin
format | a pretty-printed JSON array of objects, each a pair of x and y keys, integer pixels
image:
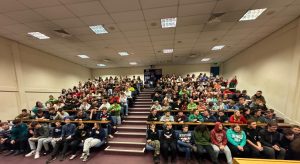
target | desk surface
[{"x": 264, "y": 161}]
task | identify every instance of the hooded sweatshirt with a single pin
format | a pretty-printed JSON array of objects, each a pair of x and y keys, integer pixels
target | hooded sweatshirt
[
  {"x": 236, "y": 139},
  {"x": 217, "y": 136},
  {"x": 201, "y": 138}
]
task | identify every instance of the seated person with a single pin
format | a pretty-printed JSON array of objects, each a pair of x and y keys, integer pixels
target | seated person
[
  {"x": 201, "y": 136},
  {"x": 257, "y": 117},
  {"x": 93, "y": 114},
  {"x": 258, "y": 104},
  {"x": 253, "y": 141},
  {"x": 157, "y": 106},
  {"x": 230, "y": 106},
  {"x": 157, "y": 97},
  {"x": 153, "y": 140},
  {"x": 81, "y": 116},
  {"x": 242, "y": 104},
  {"x": 176, "y": 105},
  {"x": 96, "y": 137},
  {"x": 270, "y": 116},
  {"x": 244, "y": 94},
  {"x": 167, "y": 117},
  {"x": 85, "y": 106},
  {"x": 51, "y": 100},
  {"x": 61, "y": 114},
  {"x": 104, "y": 104},
  {"x": 153, "y": 116},
  {"x": 81, "y": 133},
  {"x": 5, "y": 139},
  {"x": 168, "y": 142},
  {"x": 24, "y": 115},
  {"x": 246, "y": 112},
  {"x": 270, "y": 140},
  {"x": 191, "y": 105},
  {"x": 196, "y": 116},
  {"x": 207, "y": 117},
  {"x": 38, "y": 105},
  {"x": 219, "y": 141},
  {"x": 221, "y": 117},
  {"x": 115, "y": 111},
  {"x": 294, "y": 149},
  {"x": 286, "y": 142},
  {"x": 40, "y": 134},
  {"x": 237, "y": 141},
  {"x": 41, "y": 115},
  {"x": 52, "y": 113},
  {"x": 258, "y": 95},
  {"x": 237, "y": 118},
  {"x": 296, "y": 130},
  {"x": 105, "y": 116},
  {"x": 184, "y": 143},
  {"x": 180, "y": 117},
  {"x": 19, "y": 136},
  {"x": 54, "y": 136},
  {"x": 165, "y": 106}
]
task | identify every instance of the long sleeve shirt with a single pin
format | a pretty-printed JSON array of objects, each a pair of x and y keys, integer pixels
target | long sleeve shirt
[
  {"x": 168, "y": 136},
  {"x": 152, "y": 135},
  {"x": 236, "y": 139},
  {"x": 68, "y": 130}
]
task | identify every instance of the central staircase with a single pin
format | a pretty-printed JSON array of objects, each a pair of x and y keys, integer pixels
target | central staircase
[{"x": 131, "y": 135}]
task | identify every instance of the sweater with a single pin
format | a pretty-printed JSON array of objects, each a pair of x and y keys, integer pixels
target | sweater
[
  {"x": 236, "y": 139},
  {"x": 19, "y": 132},
  {"x": 269, "y": 138},
  {"x": 115, "y": 109},
  {"x": 253, "y": 135},
  {"x": 242, "y": 120},
  {"x": 202, "y": 138},
  {"x": 152, "y": 117},
  {"x": 68, "y": 130},
  {"x": 192, "y": 117},
  {"x": 152, "y": 135},
  {"x": 42, "y": 132},
  {"x": 168, "y": 136},
  {"x": 218, "y": 137},
  {"x": 185, "y": 137},
  {"x": 98, "y": 133}
]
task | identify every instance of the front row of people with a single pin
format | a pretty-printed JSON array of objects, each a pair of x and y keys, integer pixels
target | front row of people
[{"x": 251, "y": 142}]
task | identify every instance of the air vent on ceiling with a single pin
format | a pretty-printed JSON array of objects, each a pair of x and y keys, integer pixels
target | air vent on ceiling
[
  {"x": 62, "y": 33},
  {"x": 107, "y": 60},
  {"x": 215, "y": 17}
]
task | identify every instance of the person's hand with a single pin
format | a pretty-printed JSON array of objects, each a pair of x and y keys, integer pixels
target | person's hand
[
  {"x": 259, "y": 148},
  {"x": 240, "y": 148},
  {"x": 276, "y": 147},
  {"x": 148, "y": 141},
  {"x": 69, "y": 137},
  {"x": 195, "y": 120},
  {"x": 12, "y": 142},
  {"x": 181, "y": 122},
  {"x": 222, "y": 147}
]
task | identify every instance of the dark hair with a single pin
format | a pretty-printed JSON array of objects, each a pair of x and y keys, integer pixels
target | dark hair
[
  {"x": 288, "y": 132},
  {"x": 249, "y": 122},
  {"x": 16, "y": 121},
  {"x": 184, "y": 126},
  {"x": 201, "y": 128},
  {"x": 270, "y": 124},
  {"x": 24, "y": 110},
  {"x": 34, "y": 123}
]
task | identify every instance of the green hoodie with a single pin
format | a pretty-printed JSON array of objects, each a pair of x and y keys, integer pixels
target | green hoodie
[
  {"x": 202, "y": 138},
  {"x": 236, "y": 139},
  {"x": 116, "y": 108},
  {"x": 193, "y": 116},
  {"x": 191, "y": 106},
  {"x": 19, "y": 132}
]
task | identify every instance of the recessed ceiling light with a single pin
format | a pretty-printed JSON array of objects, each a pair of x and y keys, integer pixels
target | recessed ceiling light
[
  {"x": 167, "y": 51},
  {"x": 83, "y": 56},
  {"x": 133, "y": 63},
  {"x": 123, "y": 53},
  {"x": 98, "y": 29},
  {"x": 252, "y": 14},
  {"x": 38, "y": 35},
  {"x": 168, "y": 22},
  {"x": 218, "y": 47},
  {"x": 205, "y": 59},
  {"x": 101, "y": 65}
]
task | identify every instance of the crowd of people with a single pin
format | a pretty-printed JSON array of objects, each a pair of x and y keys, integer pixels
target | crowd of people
[
  {"x": 175, "y": 99},
  {"x": 98, "y": 99},
  {"x": 213, "y": 99}
]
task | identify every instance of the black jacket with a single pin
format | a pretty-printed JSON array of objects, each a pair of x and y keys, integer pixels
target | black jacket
[
  {"x": 168, "y": 136},
  {"x": 153, "y": 118},
  {"x": 269, "y": 138},
  {"x": 81, "y": 134},
  {"x": 253, "y": 135},
  {"x": 152, "y": 135},
  {"x": 98, "y": 133}
]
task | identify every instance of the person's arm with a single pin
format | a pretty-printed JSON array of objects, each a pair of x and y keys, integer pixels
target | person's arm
[
  {"x": 231, "y": 119},
  {"x": 200, "y": 118},
  {"x": 191, "y": 118},
  {"x": 224, "y": 141},
  {"x": 243, "y": 142},
  {"x": 171, "y": 119},
  {"x": 230, "y": 139},
  {"x": 263, "y": 140},
  {"x": 213, "y": 138},
  {"x": 162, "y": 118}
]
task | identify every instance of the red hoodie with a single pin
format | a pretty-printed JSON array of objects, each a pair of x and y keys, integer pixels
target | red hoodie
[{"x": 217, "y": 136}]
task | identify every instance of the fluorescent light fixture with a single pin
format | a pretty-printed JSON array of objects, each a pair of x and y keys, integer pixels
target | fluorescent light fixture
[
  {"x": 101, "y": 65},
  {"x": 168, "y": 22},
  {"x": 83, "y": 56},
  {"x": 218, "y": 47},
  {"x": 252, "y": 14},
  {"x": 205, "y": 59},
  {"x": 167, "y": 51},
  {"x": 39, "y": 35},
  {"x": 133, "y": 63},
  {"x": 123, "y": 53},
  {"x": 98, "y": 29}
]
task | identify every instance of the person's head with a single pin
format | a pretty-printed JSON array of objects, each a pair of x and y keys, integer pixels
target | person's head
[
  {"x": 154, "y": 111},
  {"x": 39, "y": 104},
  {"x": 201, "y": 128},
  {"x": 51, "y": 110},
  {"x": 221, "y": 113},
  {"x": 236, "y": 128},
  {"x": 258, "y": 93},
  {"x": 289, "y": 134},
  {"x": 152, "y": 126},
  {"x": 237, "y": 113},
  {"x": 251, "y": 124},
  {"x": 168, "y": 125},
  {"x": 104, "y": 101},
  {"x": 206, "y": 113},
  {"x": 241, "y": 100},
  {"x": 81, "y": 126},
  {"x": 156, "y": 102},
  {"x": 67, "y": 120},
  {"x": 185, "y": 128},
  {"x": 79, "y": 113},
  {"x": 257, "y": 113},
  {"x": 196, "y": 112},
  {"x": 58, "y": 124},
  {"x": 35, "y": 125},
  {"x": 5, "y": 126},
  {"x": 97, "y": 125},
  {"x": 40, "y": 112},
  {"x": 218, "y": 126},
  {"x": 16, "y": 121},
  {"x": 191, "y": 101},
  {"x": 244, "y": 92},
  {"x": 295, "y": 129},
  {"x": 238, "y": 92},
  {"x": 24, "y": 112},
  {"x": 51, "y": 97},
  {"x": 272, "y": 126},
  {"x": 167, "y": 113},
  {"x": 180, "y": 113}
]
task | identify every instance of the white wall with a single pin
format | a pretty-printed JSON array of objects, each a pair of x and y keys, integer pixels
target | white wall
[
  {"x": 139, "y": 71},
  {"x": 28, "y": 75},
  {"x": 273, "y": 66}
]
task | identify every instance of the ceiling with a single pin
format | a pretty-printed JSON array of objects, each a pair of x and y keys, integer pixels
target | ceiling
[{"x": 134, "y": 26}]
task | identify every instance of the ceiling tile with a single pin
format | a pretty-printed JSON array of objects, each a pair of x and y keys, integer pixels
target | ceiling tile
[
  {"x": 97, "y": 19},
  {"x": 11, "y": 5},
  {"x": 130, "y": 16},
  {"x": 25, "y": 16},
  {"x": 136, "y": 33},
  {"x": 43, "y": 25},
  {"x": 155, "y": 38},
  {"x": 69, "y": 23},
  {"x": 85, "y": 9},
  {"x": 158, "y": 13},
  {"x": 161, "y": 31},
  {"x": 271, "y": 3},
  {"x": 233, "y": 5},
  {"x": 5, "y": 20},
  {"x": 132, "y": 26},
  {"x": 18, "y": 29},
  {"x": 57, "y": 12},
  {"x": 192, "y": 20},
  {"x": 114, "y": 6},
  {"x": 146, "y": 4},
  {"x": 196, "y": 9},
  {"x": 38, "y": 3},
  {"x": 218, "y": 26},
  {"x": 189, "y": 29}
]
